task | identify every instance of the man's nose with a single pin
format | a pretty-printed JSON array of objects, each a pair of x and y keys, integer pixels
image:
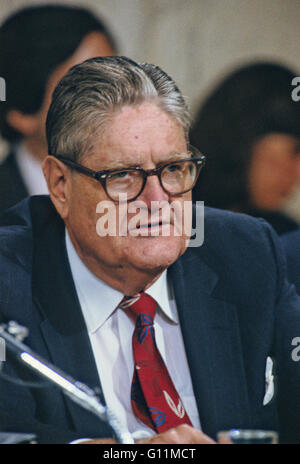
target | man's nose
[{"x": 153, "y": 191}]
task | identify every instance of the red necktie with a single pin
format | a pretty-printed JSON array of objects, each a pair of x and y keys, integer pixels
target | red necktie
[{"x": 154, "y": 398}]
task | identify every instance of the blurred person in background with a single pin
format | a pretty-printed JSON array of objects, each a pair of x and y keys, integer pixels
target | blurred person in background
[
  {"x": 249, "y": 129},
  {"x": 37, "y": 47}
]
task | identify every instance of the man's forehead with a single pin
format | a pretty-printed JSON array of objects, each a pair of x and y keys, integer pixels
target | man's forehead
[
  {"x": 137, "y": 134},
  {"x": 136, "y": 124}
]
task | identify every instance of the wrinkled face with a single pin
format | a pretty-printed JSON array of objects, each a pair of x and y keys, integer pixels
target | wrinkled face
[{"x": 137, "y": 136}]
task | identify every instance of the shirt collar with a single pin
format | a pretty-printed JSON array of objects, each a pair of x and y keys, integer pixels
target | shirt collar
[
  {"x": 99, "y": 300},
  {"x": 162, "y": 292}
]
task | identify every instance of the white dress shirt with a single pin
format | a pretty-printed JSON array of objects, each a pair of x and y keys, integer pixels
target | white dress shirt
[
  {"x": 31, "y": 171},
  {"x": 110, "y": 331}
]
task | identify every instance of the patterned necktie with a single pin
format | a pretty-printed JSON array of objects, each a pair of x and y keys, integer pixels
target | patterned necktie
[{"x": 154, "y": 398}]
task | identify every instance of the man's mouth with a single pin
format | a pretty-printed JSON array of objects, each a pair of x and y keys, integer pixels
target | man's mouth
[{"x": 150, "y": 227}]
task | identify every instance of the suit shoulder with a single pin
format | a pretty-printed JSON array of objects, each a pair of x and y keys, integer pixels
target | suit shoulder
[
  {"x": 16, "y": 227},
  {"x": 15, "y": 233},
  {"x": 232, "y": 240},
  {"x": 291, "y": 246},
  {"x": 12, "y": 187},
  {"x": 291, "y": 242},
  {"x": 229, "y": 223}
]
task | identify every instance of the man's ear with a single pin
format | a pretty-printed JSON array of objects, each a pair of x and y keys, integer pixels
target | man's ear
[
  {"x": 26, "y": 124},
  {"x": 58, "y": 179}
]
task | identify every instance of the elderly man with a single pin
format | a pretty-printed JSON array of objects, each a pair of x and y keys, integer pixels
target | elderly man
[{"x": 175, "y": 337}]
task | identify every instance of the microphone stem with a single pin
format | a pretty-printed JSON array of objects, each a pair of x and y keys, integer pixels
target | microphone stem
[{"x": 77, "y": 391}]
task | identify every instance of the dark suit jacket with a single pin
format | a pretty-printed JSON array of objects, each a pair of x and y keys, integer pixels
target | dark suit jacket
[
  {"x": 12, "y": 187},
  {"x": 291, "y": 244},
  {"x": 235, "y": 309}
]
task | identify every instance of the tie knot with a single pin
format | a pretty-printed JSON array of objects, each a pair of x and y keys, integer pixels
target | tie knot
[{"x": 141, "y": 308}]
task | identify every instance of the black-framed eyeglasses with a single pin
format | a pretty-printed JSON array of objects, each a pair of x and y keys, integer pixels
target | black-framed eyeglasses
[{"x": 176, "y": 177}]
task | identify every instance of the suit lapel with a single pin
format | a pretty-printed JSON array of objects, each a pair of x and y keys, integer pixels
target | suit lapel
[
  {"x": 63, "y": 325},
  {"x": 211, "y": 336}
]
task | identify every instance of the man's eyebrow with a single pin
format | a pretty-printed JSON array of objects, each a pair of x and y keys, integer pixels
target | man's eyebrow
[
  {"x": 178, "y": 155},
  {"x": 125, "y": 164},
  {"x": 174, "y": 157}
]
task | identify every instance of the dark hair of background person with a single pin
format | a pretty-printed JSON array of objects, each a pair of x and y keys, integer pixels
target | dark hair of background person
[
  {"x": 253, "y": 101},
  {"x": 33, "y": 42}
]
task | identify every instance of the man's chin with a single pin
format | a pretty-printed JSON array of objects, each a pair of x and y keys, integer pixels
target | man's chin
[{"x": 154, "y": 252}]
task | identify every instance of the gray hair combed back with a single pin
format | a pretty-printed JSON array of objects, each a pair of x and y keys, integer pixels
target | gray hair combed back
[{"x": 90, "y": 93}]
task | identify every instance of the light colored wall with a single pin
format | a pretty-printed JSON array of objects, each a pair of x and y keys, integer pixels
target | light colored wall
[{"x": 196, "y": 41}]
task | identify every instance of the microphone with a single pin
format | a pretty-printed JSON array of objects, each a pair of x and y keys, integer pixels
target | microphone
[{"x": 13, "y": 335}]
